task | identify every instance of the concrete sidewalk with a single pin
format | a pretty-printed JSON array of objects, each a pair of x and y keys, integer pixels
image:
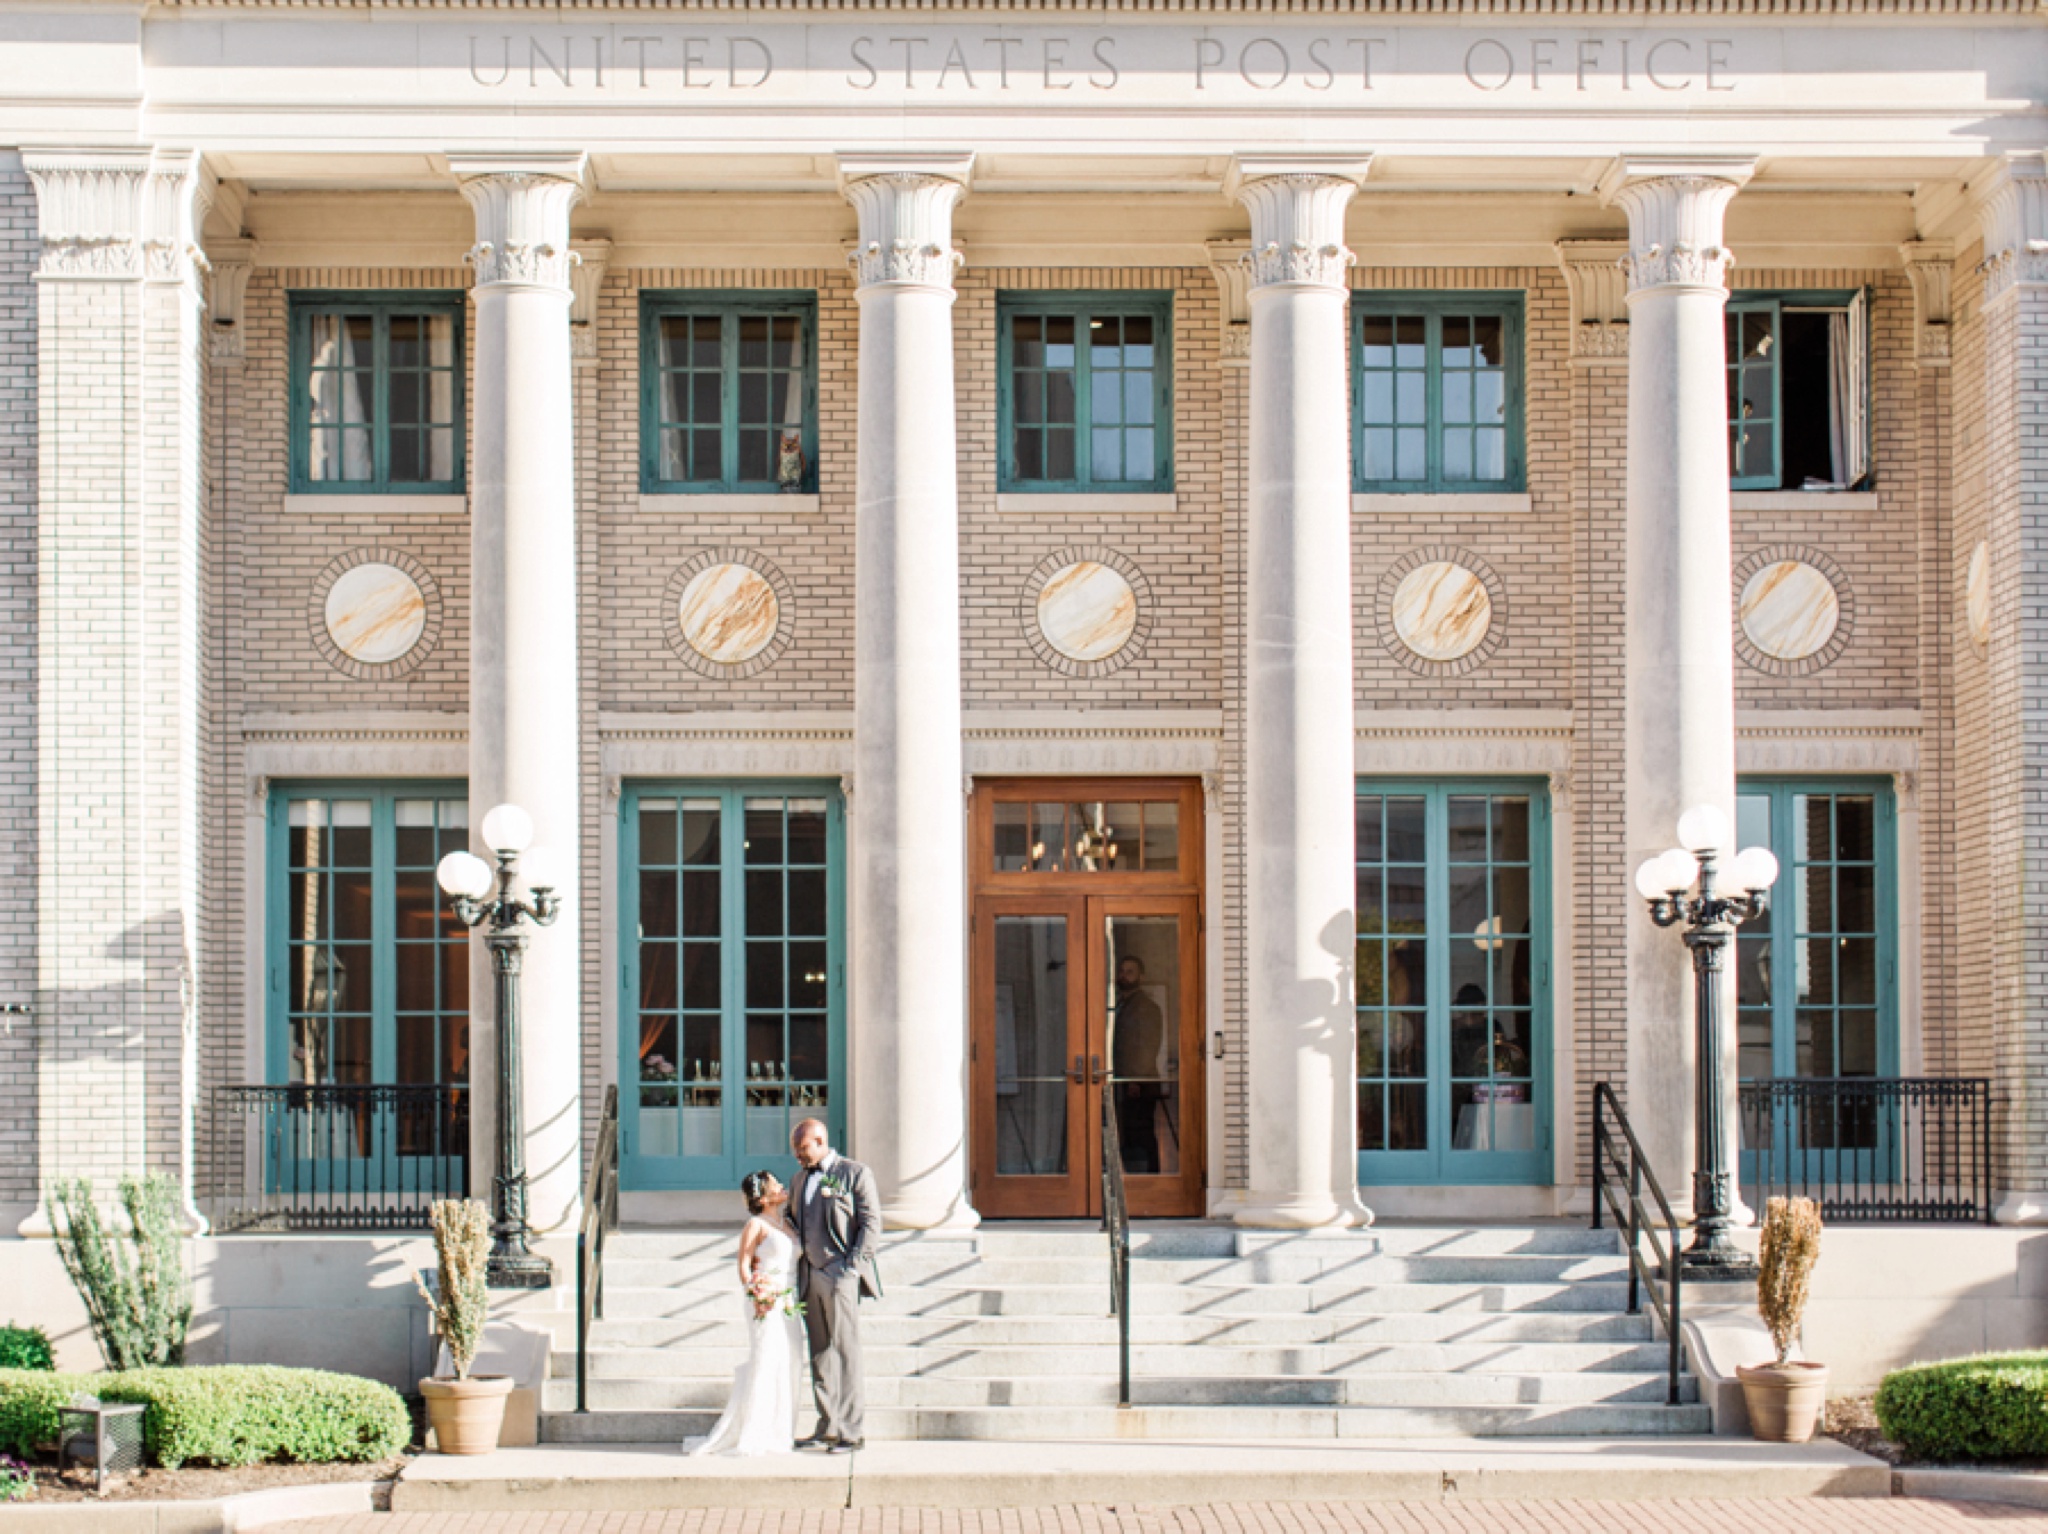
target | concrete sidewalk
[{"x": 623, "y": 1477}]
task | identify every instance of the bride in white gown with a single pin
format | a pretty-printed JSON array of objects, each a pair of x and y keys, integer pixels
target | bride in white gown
[{"x": 760, "y": 1416}]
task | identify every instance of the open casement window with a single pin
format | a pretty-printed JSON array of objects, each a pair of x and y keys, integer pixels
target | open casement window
[
  {"x": 1438, "y": 383},
  {"x": 377, "y": 385},
  {"x": 1086, "y": 397},
  {"x": 1799, "y": 391},
  {"x": 728, "y": 393}
]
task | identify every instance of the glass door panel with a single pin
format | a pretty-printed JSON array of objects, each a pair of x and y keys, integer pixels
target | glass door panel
[
  {"x": 1148, "y": 1031},
  {"x": 1029, "y": 1059}
]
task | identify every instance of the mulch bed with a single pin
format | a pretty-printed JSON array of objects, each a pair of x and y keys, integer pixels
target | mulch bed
[
  {"x": 1853, "y": 1420},
  {"x": 196, "y": 1483}
]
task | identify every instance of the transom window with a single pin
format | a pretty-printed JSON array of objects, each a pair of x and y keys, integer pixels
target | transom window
[
  {"x": 377, "y": 381},
  {"x": 728, "y": 392},
  {"x": 1798, "y": 391},
  {"x": 1096, "y": 836},
  {"x": 369, "y": 966},
  {"x": 1439, "y": 392},
  {"x": 1086, "y": 395}
]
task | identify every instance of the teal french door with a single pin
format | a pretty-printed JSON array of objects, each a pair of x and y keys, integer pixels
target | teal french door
[
  {"x": 1453, "y": 983},
  {"x": 732, "y": 1008},
  {"x": 1817, "y": 975}
]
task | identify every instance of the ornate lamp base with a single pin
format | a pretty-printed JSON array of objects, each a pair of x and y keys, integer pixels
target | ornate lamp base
[{"x": 518, "y": 1270}]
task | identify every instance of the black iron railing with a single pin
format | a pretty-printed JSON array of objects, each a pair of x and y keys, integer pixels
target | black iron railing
[
  {"x": 333, "y": 1158},
  {"x": 1116, "y": 1222},
  {"x": 1871, "y": 1148},
  {"x": 1611, "y": 1134},
  {"x": 600, "y": 1215}
]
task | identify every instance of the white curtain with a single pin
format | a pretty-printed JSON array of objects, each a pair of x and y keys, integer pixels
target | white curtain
[
  {"x": 1848, "y": 403},
  {"x": 338, "y": 401}
]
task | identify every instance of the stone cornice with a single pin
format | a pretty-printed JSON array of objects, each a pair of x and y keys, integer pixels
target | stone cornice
[{"x": 1803, "y": 10}]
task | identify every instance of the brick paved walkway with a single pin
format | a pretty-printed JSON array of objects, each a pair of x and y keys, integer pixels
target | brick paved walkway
[{"x": 1814, "y": 1516}]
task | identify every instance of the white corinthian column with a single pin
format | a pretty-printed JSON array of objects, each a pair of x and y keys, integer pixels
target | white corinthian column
[
  {"x": 523, "y": 721},
  {"x": 1680, "y": 690},
  {"x": 1299, "y": 791},
  {"x": 909, "y": 1040}
]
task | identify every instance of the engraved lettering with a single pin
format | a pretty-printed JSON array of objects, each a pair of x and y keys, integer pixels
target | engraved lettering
[
  {"x": 1650, "y": 64},
  {"x": 537, "y": 56},
  {"x": 597, "y": 60},
  {"x": 956, "y": 59},
  {"x": 1505, "y": 63},
  {"x": 1589, "y": 58},
  {"x": 1365, "y": 46},
  {"x": 909, "y": 45},
  {"x": 766, "y": 63},
  {"x": 693, "y": 60},
  {"x": 504, "y": 67},
  {"x": 1101, "y": 51},
  {"x": 1624, "y": 64},
  {"x": 1718, "y": 61},
  {"x": 1003, "y": 47},
  {"x": 1540, "y": 59},
  {"x": 1055, "y": 54},
  {"x": 639, "y": 47},
  {"x": 1316, "y": 58},
  {"x": 1246, "y": 64},
  {"x": 1205, "y": 60},
  {"x": 862, "y": 59}
]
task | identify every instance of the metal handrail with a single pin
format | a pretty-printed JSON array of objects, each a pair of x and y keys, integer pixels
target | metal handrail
[
  {"x": 600, "y": 1214},
  {"x": 1116, "y": 1222},
  {"x": 1641, "y": 1275}
]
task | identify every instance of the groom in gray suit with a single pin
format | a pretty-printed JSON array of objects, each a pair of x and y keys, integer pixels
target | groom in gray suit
[{"x": 837, "y": 1219}]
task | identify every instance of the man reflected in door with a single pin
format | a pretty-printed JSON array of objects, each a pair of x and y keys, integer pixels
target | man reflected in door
[{"x": 1138, "y": 1060}]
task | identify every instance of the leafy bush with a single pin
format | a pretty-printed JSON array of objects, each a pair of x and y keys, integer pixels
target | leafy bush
[
  {"x": 231, "y": 1415},
  {"x": 135, "y": 1290},
  {"x": 25, "y": 1347},
  {"x": 1990, "y": 1407}
]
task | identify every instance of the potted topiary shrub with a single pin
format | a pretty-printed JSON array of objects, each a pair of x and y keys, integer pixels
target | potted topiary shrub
[
  {"x": 1785, "y": 1398},
  {"x": 465, "y": 1411}
]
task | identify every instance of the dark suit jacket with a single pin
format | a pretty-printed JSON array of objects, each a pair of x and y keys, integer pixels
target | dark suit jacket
[{"x": 853, "y": 1218}]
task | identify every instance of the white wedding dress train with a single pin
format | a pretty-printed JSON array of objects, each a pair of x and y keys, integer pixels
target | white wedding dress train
[{"x": 760, "y": 1416}]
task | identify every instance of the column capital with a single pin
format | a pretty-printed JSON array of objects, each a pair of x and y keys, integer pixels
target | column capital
[
  {"x": 522, "y": 204},
  {"x": 905, "y": 205},
  {"x": 1598, "y": 287},
  {"x": 1297, "y": 205},
  {"x": 231, "y": 261},
  {"x": 1930, "y": 265},
  {"x": 586, "y": 283},
  {"x": 2012, "y": 207},
  {"x": 1230, "y": 266},
  {"x": 1675, "y": 205}
]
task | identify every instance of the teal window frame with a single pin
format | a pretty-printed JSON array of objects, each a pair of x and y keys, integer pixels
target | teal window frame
[
  {"x": 1084, "y": 306},
  {"x": 729, "y": 307},
  {"x": 384, "y": 942},
  {"x": 382, "y": 304},
  {"x": 1440, "y": 1163},
  {"x": 1434, "y": 308},
  {"x": 1772, "y": 304},
  {"x": 638, "y": 1168}
]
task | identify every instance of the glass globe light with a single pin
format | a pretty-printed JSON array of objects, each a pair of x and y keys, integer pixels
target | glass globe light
[
  {"x": 1679, "y": 868},
  {"x": 464, "y": 874},
  {"x": 1650, "y": 878},
  {"x": 508, "y": 828},
  {"x": 1754, "y": 868},
  {"x": 541, "y": 868},
  {"x": 1703, "y": 828}
]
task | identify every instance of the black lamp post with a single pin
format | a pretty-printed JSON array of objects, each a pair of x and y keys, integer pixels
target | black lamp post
[
  {"x": 1710, "y": 919},
  {"x": 483, "y": 896}
]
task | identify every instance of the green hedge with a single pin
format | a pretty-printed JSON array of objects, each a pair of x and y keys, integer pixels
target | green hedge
[
  {"x": 25, "y": 1347},
  {"x": 1990, "y": 1407},
  {"x": 221, "y": 1416}
]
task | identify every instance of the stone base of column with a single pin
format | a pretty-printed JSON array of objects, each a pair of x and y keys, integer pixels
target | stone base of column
[
  {"x": 1306, "y": 1211},
  {"x": 2020, "y": 1208}
]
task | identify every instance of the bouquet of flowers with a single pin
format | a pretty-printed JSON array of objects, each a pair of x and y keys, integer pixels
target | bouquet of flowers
[{"x": 768, "y": 1299}]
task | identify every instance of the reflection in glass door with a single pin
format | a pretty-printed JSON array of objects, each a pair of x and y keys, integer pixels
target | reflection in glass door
[{"x": 1452, "y": 984}]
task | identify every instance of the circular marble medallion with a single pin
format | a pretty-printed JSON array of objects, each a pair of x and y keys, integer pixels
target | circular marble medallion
[
  {"x": 1789, "y": 610},
  {"x": 1977, "y": 597},
  {"x": 375, "y": 613},
  {"x": 1087, "y": 611},
  {"x": 728, "y": 613},
  {"x": 1442, "y": 611}
]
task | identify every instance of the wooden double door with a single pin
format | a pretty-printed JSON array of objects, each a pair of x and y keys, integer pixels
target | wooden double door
[{"x": 1087, "y": 982}]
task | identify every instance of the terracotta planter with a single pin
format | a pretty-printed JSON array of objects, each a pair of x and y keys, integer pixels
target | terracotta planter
[
  {"x": 465, "y": 1415},
  {"x": 1784, "y": 1400}
]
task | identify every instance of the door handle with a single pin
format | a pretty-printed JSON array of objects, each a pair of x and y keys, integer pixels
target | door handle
[
  {"x": 1078, "y": 1075},
  {"x": 1095, "y": 1066}
]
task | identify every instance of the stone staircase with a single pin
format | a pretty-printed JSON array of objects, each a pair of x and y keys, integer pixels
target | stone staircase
[{"x": 1003, "y": 1333}]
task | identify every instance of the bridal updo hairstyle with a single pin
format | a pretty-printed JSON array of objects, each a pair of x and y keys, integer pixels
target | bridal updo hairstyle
[{"x": 754, "y": 1187}]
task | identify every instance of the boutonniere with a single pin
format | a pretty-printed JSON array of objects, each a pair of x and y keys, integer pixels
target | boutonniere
[{"x": 833, "y": 1187}]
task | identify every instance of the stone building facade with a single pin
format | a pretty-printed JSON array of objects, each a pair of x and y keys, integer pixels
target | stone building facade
[{"x": 863, "y": 675}]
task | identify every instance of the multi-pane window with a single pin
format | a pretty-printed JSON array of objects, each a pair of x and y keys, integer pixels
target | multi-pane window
[
  {"x": 1452, "y": 982},
  {"x": 1096, "y": 836},
  {"x": 1439, "y": 392},
  {"x": 734, "y": 982},
  {"x": 369, "y": 964},
  {"x": 377, "y": 393},
  {"x": 1798, "y": 391},
  {"x": 1086, "y": 396},
  {"x": 728, "y": 392}
]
